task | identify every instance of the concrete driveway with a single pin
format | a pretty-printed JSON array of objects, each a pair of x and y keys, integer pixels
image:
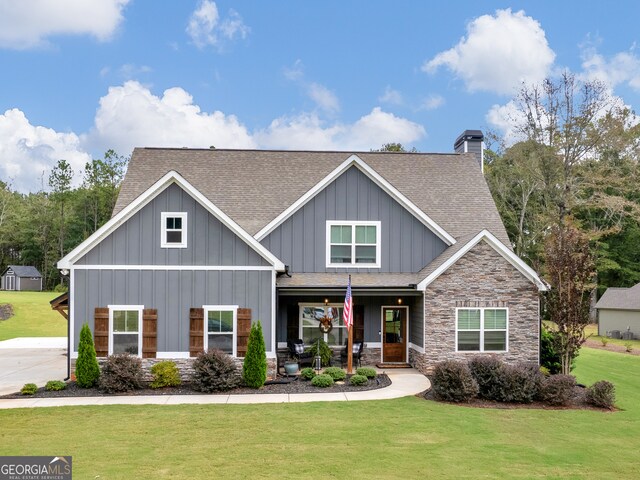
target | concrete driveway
[{"x": 31, "y": 360}]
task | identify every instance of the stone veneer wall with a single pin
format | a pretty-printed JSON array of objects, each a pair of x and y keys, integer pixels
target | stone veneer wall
[
  {"x": 185, "y": 366},
  {"x": 481, "y": 278}
]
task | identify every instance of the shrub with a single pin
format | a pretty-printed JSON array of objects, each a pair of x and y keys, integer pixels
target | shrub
[
  {"x": 489, "y": 372},
  {"x": 628, "y": 346},
  {"x": 55, "y": 385},
  {"x": 602, "y": 394},
  {"x": 367, "y": 372},
  {"x": 544, "y": 371},
  {"x": 214, "y": 371},
  {"x": 549, "y": 357},
  {"x": 522, "y": 383},
  {"x": 307, "y": 373},
  {"x": 336, "y": 373},
  {"x": 59, "y": 288},
  {"x": 557, "y": 389},
  {"x": 121, "y": 373},
  {"x": 358, "y": 380},
  {"x": 322, "y": 381},
  {"x": 453, "y": 382},
  {"x": 87, "y": 368},
  {"x": 325, "y": 352},
  {"x": 165, "y": 374},
  {"x": 254, "y": 368},
  {"x": 29, "y": 389},
  {"x": 605, "y": 341}
]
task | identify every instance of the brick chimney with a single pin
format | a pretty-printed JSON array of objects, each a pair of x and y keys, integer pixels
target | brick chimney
[{"x": 471, "y": 141}]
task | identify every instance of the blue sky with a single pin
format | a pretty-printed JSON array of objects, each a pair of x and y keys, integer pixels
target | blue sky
[{"x": 82, "y": 77}]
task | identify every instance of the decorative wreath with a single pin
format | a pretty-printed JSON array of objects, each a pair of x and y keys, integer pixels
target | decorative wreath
[{"x": 326, "y": 324}]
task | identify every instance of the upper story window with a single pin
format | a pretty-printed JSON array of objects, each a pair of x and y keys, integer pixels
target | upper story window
[
  {"x": 353, "y": 244},
  {"x": 174, "y": 230}
]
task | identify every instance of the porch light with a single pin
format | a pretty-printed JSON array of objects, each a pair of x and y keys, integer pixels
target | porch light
[
  {"x": 326, "y": 301},
  {"x": 399, "y": 301}
]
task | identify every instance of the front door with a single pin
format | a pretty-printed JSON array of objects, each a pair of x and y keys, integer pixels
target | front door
[{"x": 394, "y": 334}]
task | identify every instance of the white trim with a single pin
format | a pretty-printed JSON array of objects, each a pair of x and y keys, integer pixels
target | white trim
[
  {"x": 222, "y": 308},
  {"x": 72, "y": 311},
  {"x": 482, "y": 157},
  {"x": 282, "y": 345},
  {"x": 174, "y": 267},
  {"x": 271, "y": 355},
  {"x": 172, "y": 355},
  {"x": 372, "y": 344},
  {"x": 146, "y": 197},
  {"x": 183, "y": 230},
  {"x": 274, "y": 331},
  {"x": 482, "y": 330},
  {"x": 356, "y": 161},
  {"x": 406, "y": 330},
  {"x": 18, "y": 284},
  {"x": 499, "y": 247},
  {"x": 129, "y": 308},
  {"x": 353, "y": 224},
  {"x": 417, "y": 348},
  {"x": 74, "y": 355}
]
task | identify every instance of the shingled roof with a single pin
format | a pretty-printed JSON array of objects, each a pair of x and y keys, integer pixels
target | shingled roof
[
  {"x": 620, "y": 298},
  {"x": 25, "y": 271},
  {"x": 254, "y": 186}
]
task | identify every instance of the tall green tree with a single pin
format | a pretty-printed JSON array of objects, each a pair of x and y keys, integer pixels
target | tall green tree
[{"x": 60, "y": 183}]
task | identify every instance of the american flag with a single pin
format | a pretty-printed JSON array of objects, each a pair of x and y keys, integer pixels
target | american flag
[{"x": 347, "y": 311}]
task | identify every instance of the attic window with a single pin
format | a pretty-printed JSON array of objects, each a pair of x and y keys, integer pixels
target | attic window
[
  {"x": 174, "y": 230},
  {"x": 353, "y": 244}
]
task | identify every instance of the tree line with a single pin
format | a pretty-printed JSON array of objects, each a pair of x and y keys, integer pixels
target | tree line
[{"x": 39, "y": 228}]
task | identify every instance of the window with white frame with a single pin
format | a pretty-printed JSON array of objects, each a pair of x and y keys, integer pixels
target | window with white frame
[
  {"x": 310, "y": 315},
  {"x": 481, "y": 329},
  {"x": 220, "y": 328},
  {"x": 174, "y": 230},
  {"x": 353, "y": 244},
  {"x": 125, "y": 328}
]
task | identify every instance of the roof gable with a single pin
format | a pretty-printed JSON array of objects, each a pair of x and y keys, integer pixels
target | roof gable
[
  {"x": 24, "y": 270},
  {"x": 147, "y": 196},
  {"x": 357, "y": 162},
  {"x": 620, "y": 298}
]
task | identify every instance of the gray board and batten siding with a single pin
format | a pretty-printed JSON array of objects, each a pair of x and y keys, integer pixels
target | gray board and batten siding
[
  {"x": 407, "y": 245},
  {"x": 172, "y": 292}
]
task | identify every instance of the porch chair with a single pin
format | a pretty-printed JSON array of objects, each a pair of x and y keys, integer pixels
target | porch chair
[
  {"x": 357, "y": 348},
  {"x": 298, "y": 351}
]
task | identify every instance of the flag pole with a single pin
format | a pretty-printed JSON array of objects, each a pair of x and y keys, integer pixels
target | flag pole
[{"x": 350, "y": 341}]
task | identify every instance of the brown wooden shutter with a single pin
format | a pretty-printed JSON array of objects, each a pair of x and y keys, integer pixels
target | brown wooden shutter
[
  {"x": 293, "y": 322},
  {"x": 358, "y": 323},
  {"x": 149, "y": 332},
  {"x": 244, "y": 328},
  {"x": 196, "y": 331},
  {"x": 101, "y": 331}
]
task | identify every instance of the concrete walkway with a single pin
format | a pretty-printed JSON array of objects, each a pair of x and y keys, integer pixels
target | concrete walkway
[{"x": 404, "y": 382}]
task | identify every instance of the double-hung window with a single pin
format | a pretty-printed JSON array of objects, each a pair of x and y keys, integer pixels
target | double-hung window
[
  {"x": 481, "y": 329},
  {"x": 125, "y": 328},
  {"x": 220, "y": 328},
  {"x": 173, "y": 233},
  {"x": 353, "y": 244},
  {"x": 310, "y": 316}
]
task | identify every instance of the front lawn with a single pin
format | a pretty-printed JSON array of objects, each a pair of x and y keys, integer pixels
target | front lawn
[
  {"x": 404, "y": 438},
  {"x": 32, "y": 317}
]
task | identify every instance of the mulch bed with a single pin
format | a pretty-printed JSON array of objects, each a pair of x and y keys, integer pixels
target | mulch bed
[
  {"x": 610, "y": 347},
  {"x": 297, "y": 385},
  {"x": 578, "y": 402},
  {"x": 6, "y": 311}
]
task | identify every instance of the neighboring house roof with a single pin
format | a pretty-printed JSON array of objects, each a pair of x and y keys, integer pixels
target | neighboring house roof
[
  {"x": 24, "y": 271},
  {"x": 451, "y": 255},
  {"x": 620, "y": 298},
  {"x": 253, "y": 187},
  {"x": 149, "y": 194}
]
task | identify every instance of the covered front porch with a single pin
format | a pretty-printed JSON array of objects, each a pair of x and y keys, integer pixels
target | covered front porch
[{"x": 388, "y": 320}]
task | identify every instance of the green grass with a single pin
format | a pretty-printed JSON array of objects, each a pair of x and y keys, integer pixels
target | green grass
[
  {"x": 404, "y": 438},
  {"x": 32, "y": 317}
]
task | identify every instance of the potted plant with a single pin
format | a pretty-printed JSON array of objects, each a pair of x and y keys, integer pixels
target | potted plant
[{"x": 291, "y": 366}]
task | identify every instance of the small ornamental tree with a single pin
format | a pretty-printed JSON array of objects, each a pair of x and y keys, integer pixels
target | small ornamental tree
[
  {"x": 571, "y": 270},
  {"x": 87, "y": 368},
  {"x": 254, "y": 368}
]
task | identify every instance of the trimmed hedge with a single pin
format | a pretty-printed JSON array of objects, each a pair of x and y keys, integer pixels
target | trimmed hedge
[
  {"x": 322, "y": 381},
  {"x": 557, "y": 389},
  {"x": 453, "y": 382},
  {"x": 121, "y": 373},
  {"x": 165, "y": 374},
  {"x": 358, "y": 380},
  {"x": 307, "y": 373},
  {"x": 214, "y": 371},
  {"x": 367, "y": 372},
  {"x": 336, "y": 373},
  {"x": 55, "y": 385},
  {"x": 489, "y": 372},
  {"x": 602, "y": 394},
  {"x": 29, "y": 389}
]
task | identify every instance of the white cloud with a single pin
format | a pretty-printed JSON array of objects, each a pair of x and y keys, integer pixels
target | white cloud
[
  {"x": 294, "y": 72},
  {"x": 504, "y": 118},
  {"x": 432, "y": 102},
  {"x": 323, "y": 97},
  {"x": 308, "y": 131},
  {"x": 131, "y": 116},
  {"x": 391, "y": 96},
  {"x": 206, "y": 28},
  {"x": 621, "y": 68},
  {"x": 498, "y": 53},
  {"x": 28, "y": 152},
  {"x": 28, "y": 23}
]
